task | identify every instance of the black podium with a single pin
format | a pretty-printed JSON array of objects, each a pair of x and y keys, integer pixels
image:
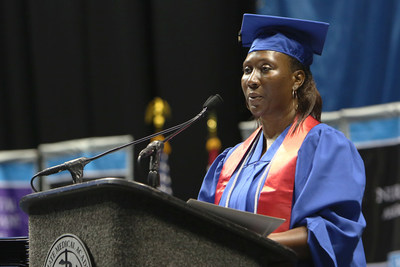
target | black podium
[{"x": 124, "y": 223}]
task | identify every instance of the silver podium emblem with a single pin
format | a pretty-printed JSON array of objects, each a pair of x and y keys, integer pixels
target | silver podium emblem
[{"x": 68, "y": 251}]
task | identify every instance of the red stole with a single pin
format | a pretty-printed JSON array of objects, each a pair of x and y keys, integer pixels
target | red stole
[{"x": 277, "y": 193}]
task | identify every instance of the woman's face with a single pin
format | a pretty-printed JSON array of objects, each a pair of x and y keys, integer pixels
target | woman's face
[{"x": 267, "y": 83}]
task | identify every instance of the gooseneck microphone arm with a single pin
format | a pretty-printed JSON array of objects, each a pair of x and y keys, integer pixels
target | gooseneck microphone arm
[
  {"x": 201, "y": 114},
  {"x": 210, "y": 103},
  {"x": 155, "y": 148},
  {"x": 76, "y": 166}
]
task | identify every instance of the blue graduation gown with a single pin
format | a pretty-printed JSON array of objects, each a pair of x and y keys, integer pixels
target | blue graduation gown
[{"x": 328, "y": 190}]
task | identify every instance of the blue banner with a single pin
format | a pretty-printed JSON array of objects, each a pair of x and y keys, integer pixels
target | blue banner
[{"x": 359, "y": 65}]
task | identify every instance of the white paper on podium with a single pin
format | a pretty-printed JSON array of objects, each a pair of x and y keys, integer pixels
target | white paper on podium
[{"x": 261, "y": 224}]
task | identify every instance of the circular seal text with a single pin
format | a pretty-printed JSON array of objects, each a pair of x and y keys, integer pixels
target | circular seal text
[{"x": 68, "y": 251}]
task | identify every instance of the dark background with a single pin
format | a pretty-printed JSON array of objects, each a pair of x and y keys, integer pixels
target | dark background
[{"x": 88, "y": 68}]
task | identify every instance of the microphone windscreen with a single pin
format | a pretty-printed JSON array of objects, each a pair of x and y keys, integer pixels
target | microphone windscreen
[{"x": 213, "y": 101}]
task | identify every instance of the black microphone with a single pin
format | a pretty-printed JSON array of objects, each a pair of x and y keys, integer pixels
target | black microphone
[
  {"x": 154, "y": 148},
  {"x": 76, "y": 166},
  {"x": 212, "y": 102},
  {"x": 150, "y": 149},
  {"x": 65, "y": 166}
]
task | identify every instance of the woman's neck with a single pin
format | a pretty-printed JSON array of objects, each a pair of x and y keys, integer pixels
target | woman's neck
[{"x": 273, "y": 127}]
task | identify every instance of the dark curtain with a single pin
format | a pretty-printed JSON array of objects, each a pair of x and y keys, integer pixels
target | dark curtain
[{"x": 76, "y": 69}]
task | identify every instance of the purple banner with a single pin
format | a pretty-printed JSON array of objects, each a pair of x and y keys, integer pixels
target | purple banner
[{"x": 13, "y": 221}]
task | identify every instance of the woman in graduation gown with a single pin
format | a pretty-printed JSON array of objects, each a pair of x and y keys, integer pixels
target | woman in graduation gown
[{"x": 293, "y": 166}]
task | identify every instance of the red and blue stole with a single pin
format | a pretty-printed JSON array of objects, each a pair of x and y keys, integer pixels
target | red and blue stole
[{"x": 276, "y": 195}]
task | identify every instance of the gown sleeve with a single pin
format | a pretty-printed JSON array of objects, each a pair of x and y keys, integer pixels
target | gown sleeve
[
  {"x": 209, "y": 185},
  {"x": 329, "y": 186}
]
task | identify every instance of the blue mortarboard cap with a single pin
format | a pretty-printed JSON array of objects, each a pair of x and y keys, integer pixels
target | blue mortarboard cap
[{"x": 295, "y": 37}]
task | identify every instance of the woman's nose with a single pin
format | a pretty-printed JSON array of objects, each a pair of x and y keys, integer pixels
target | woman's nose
[{"x": 253, "y": 82}]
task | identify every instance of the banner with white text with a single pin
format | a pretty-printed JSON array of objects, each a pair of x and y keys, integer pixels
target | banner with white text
[{"x": 16, "y": 169}]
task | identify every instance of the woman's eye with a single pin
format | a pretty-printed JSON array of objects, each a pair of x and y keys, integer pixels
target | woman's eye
[
  {"x": 265, "y": 68},
  {"x": 247, "y": 70}
]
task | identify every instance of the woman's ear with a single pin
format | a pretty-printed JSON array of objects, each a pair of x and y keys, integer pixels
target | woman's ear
[{"x": 299, "y": 78}]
